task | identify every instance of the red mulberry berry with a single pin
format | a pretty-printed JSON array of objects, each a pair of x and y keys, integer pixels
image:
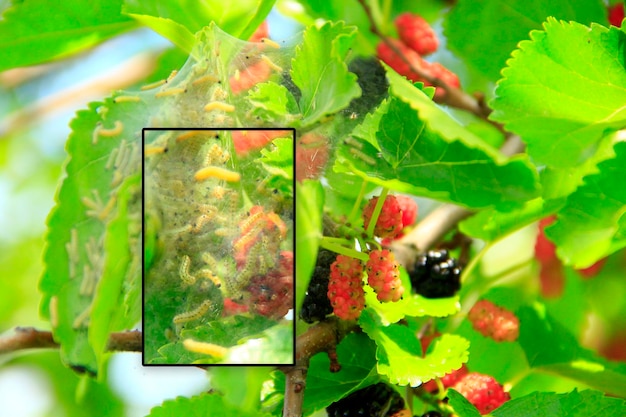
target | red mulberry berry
[
  {"x": 389, "y": 223},
  {"x": 409, "y": 210},
  {"x": 483, "y": 391},
  {"x": 616, "y": 14},
  {"x": 345, "y": 287},
  {"x": 416, "y": 33},
  {"x": 383, "y": 275},
  {"x": 493, "y": 321}
]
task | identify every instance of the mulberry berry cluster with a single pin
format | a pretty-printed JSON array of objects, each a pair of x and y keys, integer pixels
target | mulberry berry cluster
[
  {"x": 383, "y": 275},
  {"x": 436, "y": 275},
  {"x": 345, "y": 287},
  {"x": 493, "y": 321},
  {"x": 376, "y": 400},
  {"x": 417, "y": 38}
]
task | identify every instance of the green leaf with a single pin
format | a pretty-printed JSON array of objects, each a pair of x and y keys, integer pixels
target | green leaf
[
  {"x": 492, "y": 224},
  {"x": 551, "y": 348},
  {"x": 320, "y": 72},
  {"x": 485, "y": 36},
  {"x": 592, "y": 224},
  {"x": 412, "y": 305},
  {"x": 178, "y": 34},
  {"x": 309, "y": 207},
  {"x": 586, "y": 403},
  {"x": 564, "y": 91},
  {"x": 107, "y": 316},
  {"x": 462, "y": 407},
  {"x": 240, "y": 19},
  {"x": 38, "y": 31},
  {"x": 199, "y": 406},
  {"x": 275, "y": 99},
  {"x": 279, "y": 160},
  {"x": 82, "y": 224},
  {"x": 399, "y": 352},
  {"x": 426, "y": 152},
  {"x": 356, "y": 354},
  {"x": 240, "y": 386}
]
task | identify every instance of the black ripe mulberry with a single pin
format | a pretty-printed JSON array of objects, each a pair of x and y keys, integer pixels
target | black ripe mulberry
[
  {"x": 316, "y": 305},
  {"x": 436, "y": 275}
]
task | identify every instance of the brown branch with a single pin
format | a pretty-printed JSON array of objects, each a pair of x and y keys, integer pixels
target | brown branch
[
  {"x": 322, "y": 337},
  {"x": 22, "y": 338}
]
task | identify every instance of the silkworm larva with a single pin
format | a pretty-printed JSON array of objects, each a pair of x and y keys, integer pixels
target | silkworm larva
[
  {"x": 126, "y": 99},
  {"x": 170, "y": 92},
  {"x": 353, "y": 142},
  {"x": 183, "y": 271},
  {"x": 80, "y": 320},
  {"x": 270, "y": 42},
  {"x": 193, "y": 133},
  {"x": 111, "y": 159},
  {"x": 217, "y": 172},
  {"x": 363, "y": 157},
  {"x": 272, "y": 65},
  {"x": 194, "y": 314},
  {"x": 211, "y": 349},
  {"x": 204, "y": 79},
  {"x": 99, "y": 131},
  {"x": 218, "y": 105},
  {"x": 154, "y": 150},
  {"x": 153, "y": 85},
  {"x": 279, "y": 223},
  {"x": 171, "y": 76}
]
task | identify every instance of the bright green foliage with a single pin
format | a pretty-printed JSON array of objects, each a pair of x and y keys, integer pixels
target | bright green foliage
[
  {"x": 201, "y": 405},
  {"x": 426, "y": 152},
  {"x": 93, "y": 213},
  {"x": 399, "y": 352},
  {"x": 564, "y": 90},
  {"x": 239, "y": 18},
  {"x": 550, "y": 347},
  {"x": 321, "y": 74},
  {"x": 33, "y": 32},
  {"x": 484, "y": 35},
  {"x": 591, "y": 226},
  {"x": 586, "y": 403}
]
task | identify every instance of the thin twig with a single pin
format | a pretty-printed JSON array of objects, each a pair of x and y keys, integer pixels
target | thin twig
[{"x": 22, "y": 338}]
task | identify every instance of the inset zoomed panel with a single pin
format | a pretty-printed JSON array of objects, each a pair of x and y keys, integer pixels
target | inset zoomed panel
[{"x": 218, "y": 246}]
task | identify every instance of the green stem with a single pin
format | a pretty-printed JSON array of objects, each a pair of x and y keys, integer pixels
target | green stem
[
  {"x": 377, "y": 210},
  {"x": 342, "y": 250},
  {"x": 357, "y": 204}
]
